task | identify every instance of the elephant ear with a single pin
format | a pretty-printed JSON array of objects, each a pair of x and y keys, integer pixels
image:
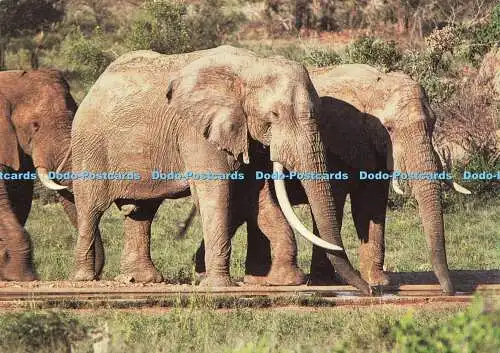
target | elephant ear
[
  {"x": 9, "y": 149},
  {"x": 211, "y": 98}
]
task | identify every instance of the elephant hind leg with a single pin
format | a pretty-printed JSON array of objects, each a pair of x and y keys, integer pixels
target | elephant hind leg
[
  {"x": 136, "y": 264},
  {"x": 68, "y": 203},
  {"x": 90, "y": 207},
  {"x": 369, "y": 205}
]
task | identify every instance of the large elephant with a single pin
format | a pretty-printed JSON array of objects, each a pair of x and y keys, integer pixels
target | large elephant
[
  {"x": 36, "y": 112},
  {"x": 372, "y": 122},
  {"x": 151, "y": 112}
]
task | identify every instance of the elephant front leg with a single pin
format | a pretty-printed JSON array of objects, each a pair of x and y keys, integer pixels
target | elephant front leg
[
  {"x": 15, "y": 246},
  {"x": 215, "y": 208},
  {"x": 369, "y": 205},
  {"x": 270, "y": 234},
  {"x": 136, "y": 264}
]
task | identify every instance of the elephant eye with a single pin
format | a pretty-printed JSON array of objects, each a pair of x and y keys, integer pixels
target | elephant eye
[{"x": 35, "y": 126}]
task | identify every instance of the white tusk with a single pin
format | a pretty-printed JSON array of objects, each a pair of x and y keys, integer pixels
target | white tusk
[
  {"x": 290, "y": 216},
  {"x": 43, "y": 175},
  {"x": 459, "y": 188},
  {"x": 396, "y": 187}
]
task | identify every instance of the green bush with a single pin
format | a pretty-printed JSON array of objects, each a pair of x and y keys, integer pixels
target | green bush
[
  {"x": 484, "y": 37},
  {"x": 322, "y": 58},
  {"x": 475, "y": 330},
  {"x": 428, "y": 68},
  {"x": 375, "y": 52},
  {"x": 86, "y": 56},
  {"x": 170, "y": 27},
  {"x": 210, "y": 26},
  {"x": 40, "y": 332},
  {"x": 162, "y": 28}
]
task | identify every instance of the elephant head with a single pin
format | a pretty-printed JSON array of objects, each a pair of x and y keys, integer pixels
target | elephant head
[
  {"x": 36, "y": 111},
  {"x": 402, "y": 107},
  {"x": 236, "y": 99}
]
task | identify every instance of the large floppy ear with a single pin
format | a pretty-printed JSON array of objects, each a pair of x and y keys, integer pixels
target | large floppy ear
[
  {"x": 9, "y": 147},
  {"x": 211, "y": 98},
  {"x": 349, "y": 134}
]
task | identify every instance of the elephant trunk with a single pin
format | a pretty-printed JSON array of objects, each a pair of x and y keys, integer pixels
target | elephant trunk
[
  {"x": 428, "y": 196},
  {"x": 312, "y": 157}
]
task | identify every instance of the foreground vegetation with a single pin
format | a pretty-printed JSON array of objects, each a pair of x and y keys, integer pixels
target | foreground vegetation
[{"x": 387, "y": 329}]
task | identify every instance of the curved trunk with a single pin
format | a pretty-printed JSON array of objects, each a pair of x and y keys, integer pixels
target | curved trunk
[
  {"x": 428, "y": 196},
  {"x": 320, "y": 197}
]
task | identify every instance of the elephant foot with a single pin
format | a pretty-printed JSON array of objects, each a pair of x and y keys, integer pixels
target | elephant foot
[
  {"x": 199, "y": 276},
  {"x": 144, "y": 276},
  {"x": 84, "y": 275},
  {"x": 18, "y": 277},
  {"x": 217, "y": 281},
  {"x": 375, "y": 277},
  {"x": 278, "y": 276}
]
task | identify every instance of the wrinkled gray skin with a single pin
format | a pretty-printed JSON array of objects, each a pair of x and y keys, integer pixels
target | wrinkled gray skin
[
  {"x": 204, "y": 115},
  {"x": 36, "y": 111},
  {"x": 376, "y": 122}
]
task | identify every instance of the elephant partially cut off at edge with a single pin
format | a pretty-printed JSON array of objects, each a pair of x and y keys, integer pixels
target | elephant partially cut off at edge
[
  {"x": 36, "y": 112},
  {"x": 198, "y": 116}
]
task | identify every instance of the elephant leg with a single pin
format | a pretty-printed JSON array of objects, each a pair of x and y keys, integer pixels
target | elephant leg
[
  {"x": 15, "y": 246},
  {"x": 215, "y": 210},
  {"x": 20, "y": 197},
  {"x": 270, "y": 234},
  {"x": 322, "y": 271},
  {"x": 90, "y": 208},
  {"x": 68, "y": 203},
  {"x": 369, "y": 204},
  {"x": 136, "y": 263}
]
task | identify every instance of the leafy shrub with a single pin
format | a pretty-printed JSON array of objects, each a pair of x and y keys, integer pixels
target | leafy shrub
[
  {"x": 86, "y": 55},
  {"x": 428, "y": 68},
  {"x": 162, "y": 28},
  {"x": 322, "y": 57},
  {"x": 209, "y": 25},
  {"x": 475, "y": 330},
  {"x": 170, "y": 27},
  {"x": 484, "y": 37},
  {"x": 40, "y": 332},
  {"x": 375, "y": 52}
]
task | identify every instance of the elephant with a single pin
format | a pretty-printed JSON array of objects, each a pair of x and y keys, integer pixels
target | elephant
[
  {"x": 193, "y": 114},
  {"x": 371, "y": 122},
  {"x": 36, "y": 112}
]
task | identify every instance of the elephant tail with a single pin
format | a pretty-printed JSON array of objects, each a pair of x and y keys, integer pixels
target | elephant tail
[{"x": 182, "y": 227}]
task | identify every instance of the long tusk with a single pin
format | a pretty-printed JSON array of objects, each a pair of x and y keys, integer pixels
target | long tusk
[
  {"x": 64, "y": 161},
  {"x": 290, "y": 216},
  {"x": 459, "y": 188},
  {"x": 43, "y": 175},
  {"x": 396, "y": 187}
]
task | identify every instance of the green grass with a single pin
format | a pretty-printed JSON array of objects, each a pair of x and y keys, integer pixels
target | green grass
[
  {"x": 471, "y": 235},
  {"x": 196, "y": 329}
]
